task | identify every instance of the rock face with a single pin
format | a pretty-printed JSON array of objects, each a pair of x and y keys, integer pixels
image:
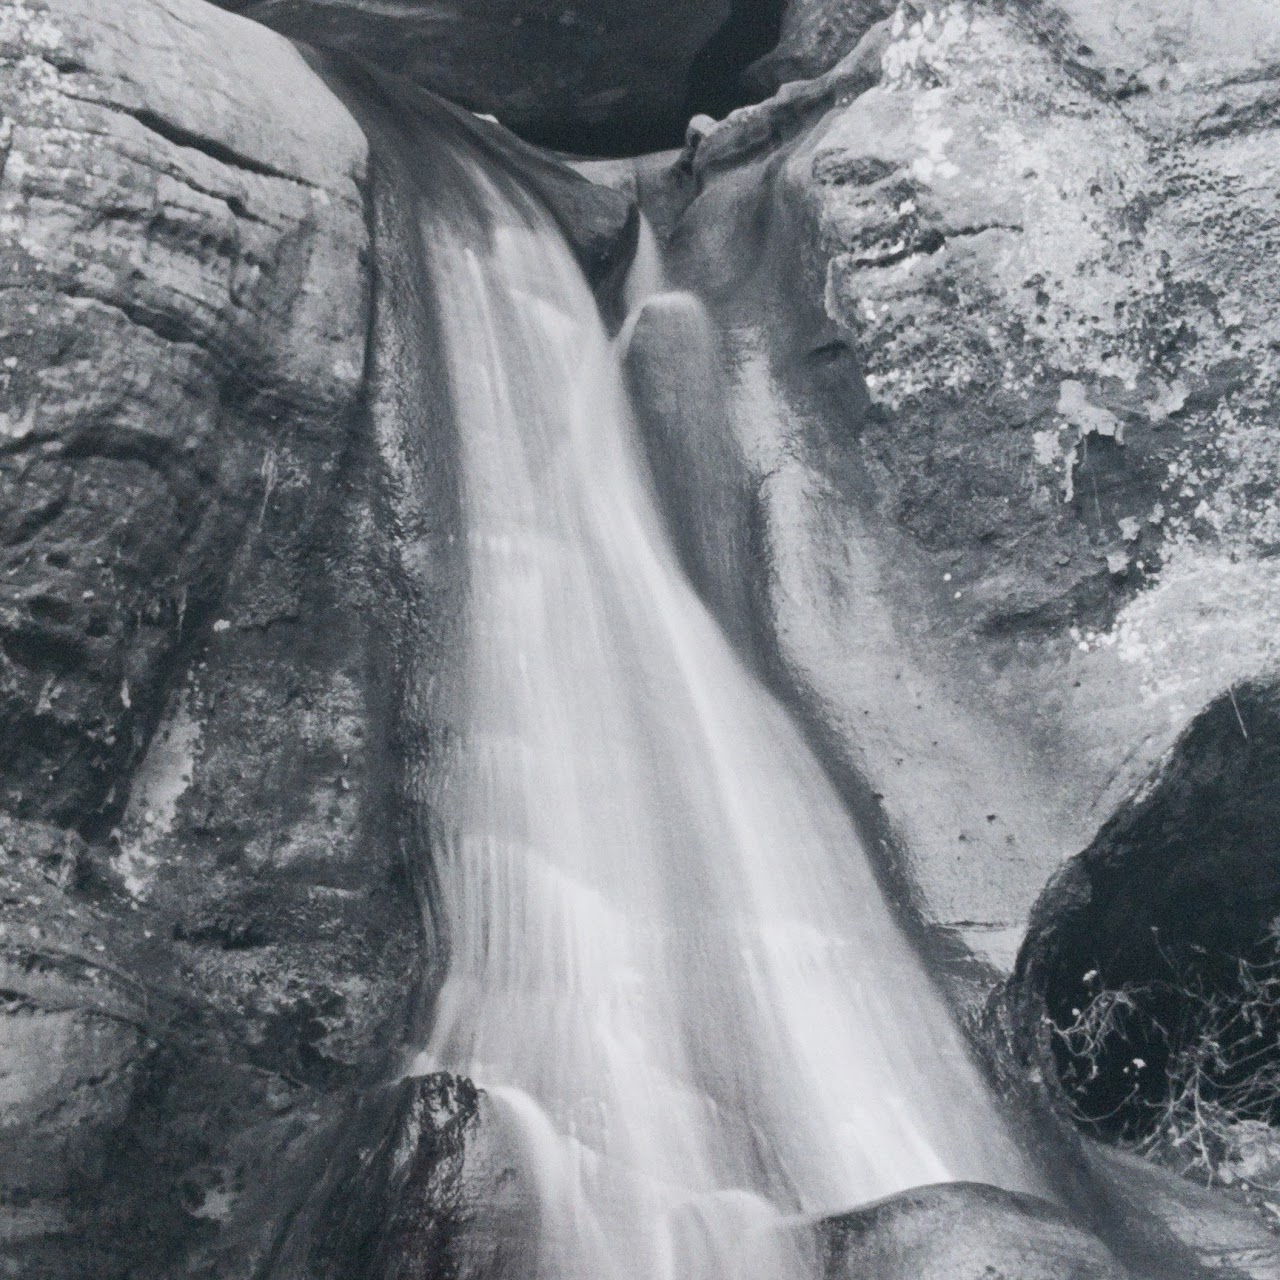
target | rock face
[
  {"x": 673, "y": 363},
  {"x": 999, "y": 289},
  {"x": 589, "y": 76},
  {"x": 963, "y": 1231},
  {"x": 391, "y": 1204},
  {"x": 207, "y": 933}
]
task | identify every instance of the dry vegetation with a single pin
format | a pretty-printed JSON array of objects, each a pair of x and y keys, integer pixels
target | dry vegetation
[{"x": 1206, "y": 1102}]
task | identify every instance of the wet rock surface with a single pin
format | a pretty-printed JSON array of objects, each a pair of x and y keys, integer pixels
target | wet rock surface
[
  {"x": 672, "y": 362},
  {"x": 391, "y": 1202}
]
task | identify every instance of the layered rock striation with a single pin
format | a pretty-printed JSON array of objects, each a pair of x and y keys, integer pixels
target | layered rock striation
[{"x": 206, "y": 934}]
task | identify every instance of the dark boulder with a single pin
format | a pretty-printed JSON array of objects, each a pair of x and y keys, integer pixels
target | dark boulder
[
  {"x": 601, "y": 75},
  {"x": 673, "y": 363}
]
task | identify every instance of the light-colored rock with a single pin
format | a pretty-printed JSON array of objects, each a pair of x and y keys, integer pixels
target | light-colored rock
[{"x": 1002, "y": 342}]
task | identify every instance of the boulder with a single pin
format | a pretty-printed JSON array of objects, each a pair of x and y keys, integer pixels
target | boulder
[
  {"x": 1187, "y": 873},
  {"x": 1173, "y": 907},
  {"x": 962, "y": 1231},
  {"x": 584, "y": 77},
  {"x": 1156, "y": 1227}
]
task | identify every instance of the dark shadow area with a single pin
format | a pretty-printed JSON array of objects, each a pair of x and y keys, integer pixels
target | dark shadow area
[
  {"x": 718, "y": 83},
  {"x": 555, "y": 79},
  {"x": 717, "y": 80},
  {"x": 1156, "y": 953},
  {"x": 386, "y": 1202}
]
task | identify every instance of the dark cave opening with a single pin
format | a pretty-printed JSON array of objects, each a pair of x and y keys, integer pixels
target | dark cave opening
[
  {"x": 1156, "y": 955},
  {"x": 718, "y": 80},
  {"x": 581, "y": 116},
  {"x": 717, "y": 84}
]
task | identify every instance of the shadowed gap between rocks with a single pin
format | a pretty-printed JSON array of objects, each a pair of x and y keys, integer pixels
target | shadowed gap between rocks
[
  {"x": 1179, "y": 889},
  {"x": 718, "y": 80},
  {"x": 1148, "y": 990}
]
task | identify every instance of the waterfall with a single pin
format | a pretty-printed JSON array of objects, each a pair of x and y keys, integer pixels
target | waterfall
[{"x": 671, "y": 967}]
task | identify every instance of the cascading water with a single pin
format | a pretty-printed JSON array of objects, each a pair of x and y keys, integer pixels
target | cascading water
[{"x": 671, "y": 966}]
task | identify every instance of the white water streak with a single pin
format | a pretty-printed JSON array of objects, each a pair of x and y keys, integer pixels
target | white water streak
[{"x": 671, "y": 965}]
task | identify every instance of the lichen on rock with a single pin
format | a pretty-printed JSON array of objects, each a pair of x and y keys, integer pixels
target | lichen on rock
[{"x": 1009, "y": 300}]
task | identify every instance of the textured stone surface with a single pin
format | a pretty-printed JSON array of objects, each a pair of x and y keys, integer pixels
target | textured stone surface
[
  {"x": 578, "y": 76},
  {"x": 184, "y": 291},
  {"x": 963, "y": 1231},
  {"x": 207, "y": 937},
  {"x": 815, "y": 35},
  {"x": 391, "y": 1202},
  {"x": 1001, "y": 329}
]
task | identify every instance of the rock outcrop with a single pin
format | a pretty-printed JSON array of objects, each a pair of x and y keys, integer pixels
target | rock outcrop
[
  {"x": 999, "y": 291},
  {"x": 1156, "y": 1226},
  {"x": 391, "y": 1203},
  {"x": 673, "y": 365},
  {"x": 963, "y": 1231},
  {"x": 814, "y": 36}
]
